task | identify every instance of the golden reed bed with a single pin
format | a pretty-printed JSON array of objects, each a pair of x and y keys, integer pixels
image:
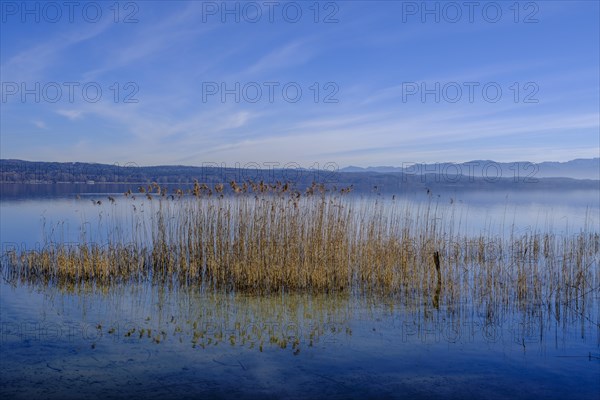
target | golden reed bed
[{"x": 269, "y": 238}]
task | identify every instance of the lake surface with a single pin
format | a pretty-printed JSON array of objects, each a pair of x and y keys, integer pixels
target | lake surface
[{"x": 144, "y": 340}]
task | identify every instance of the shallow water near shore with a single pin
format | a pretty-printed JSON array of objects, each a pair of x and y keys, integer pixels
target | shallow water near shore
[
  {"x": 169, "y": 341},
  {"x": 159, "y": 343}
]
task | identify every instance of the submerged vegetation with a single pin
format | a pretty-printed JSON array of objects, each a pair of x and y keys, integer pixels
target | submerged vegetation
[{"x": 260, "y": 238}]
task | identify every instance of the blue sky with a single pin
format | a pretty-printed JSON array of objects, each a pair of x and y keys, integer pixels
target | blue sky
[{"x": 382, "y": 83}]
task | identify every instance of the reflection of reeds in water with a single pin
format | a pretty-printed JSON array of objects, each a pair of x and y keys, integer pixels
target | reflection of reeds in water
[
  {"x": 151, "y": 315},
  {"x": 269, "y": 239}
]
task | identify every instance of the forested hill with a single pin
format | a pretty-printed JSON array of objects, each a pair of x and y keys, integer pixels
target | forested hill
[{"x": 18, "y": 171}]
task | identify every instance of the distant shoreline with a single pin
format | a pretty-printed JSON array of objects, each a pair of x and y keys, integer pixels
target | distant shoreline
[{"x": 365, "y": 181}]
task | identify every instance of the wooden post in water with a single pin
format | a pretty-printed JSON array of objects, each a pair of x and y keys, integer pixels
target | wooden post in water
[
  {"x": 436, "y": 260},
  {"x": 438, "y": 289}
]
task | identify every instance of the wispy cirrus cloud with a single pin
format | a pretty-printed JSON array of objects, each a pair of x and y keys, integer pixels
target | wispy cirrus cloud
[
  {"x": 40, "y": 124},
  {"x": 150, "y": 39},
  {"x": 170, "y": 53},
  {"x": 33, "y": 62},
  {"x": 70, "y": 114},
  {"x": 295, "y": 53}
]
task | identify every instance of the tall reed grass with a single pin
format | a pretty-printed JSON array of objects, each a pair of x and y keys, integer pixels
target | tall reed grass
[{"x": 269, "y": 238}]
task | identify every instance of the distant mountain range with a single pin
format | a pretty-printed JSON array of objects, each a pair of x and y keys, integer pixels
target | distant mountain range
[
  {"x": 581, "y": 168},
  {"x": 475, "y": 175}
]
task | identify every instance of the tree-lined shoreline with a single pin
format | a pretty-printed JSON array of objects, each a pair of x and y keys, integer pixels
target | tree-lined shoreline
[{"x": 30, "y": 172}]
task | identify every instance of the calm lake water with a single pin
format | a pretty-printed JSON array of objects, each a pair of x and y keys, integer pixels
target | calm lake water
[{"x": 150, "y": 341}]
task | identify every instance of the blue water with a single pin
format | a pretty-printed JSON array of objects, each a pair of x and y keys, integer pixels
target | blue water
[
  {"x": 58, "y": 345},
  {"x": 145, "y": 341}
]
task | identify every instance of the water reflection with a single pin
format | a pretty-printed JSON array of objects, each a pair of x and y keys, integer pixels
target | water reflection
[{"x": 58, "y": 339}]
